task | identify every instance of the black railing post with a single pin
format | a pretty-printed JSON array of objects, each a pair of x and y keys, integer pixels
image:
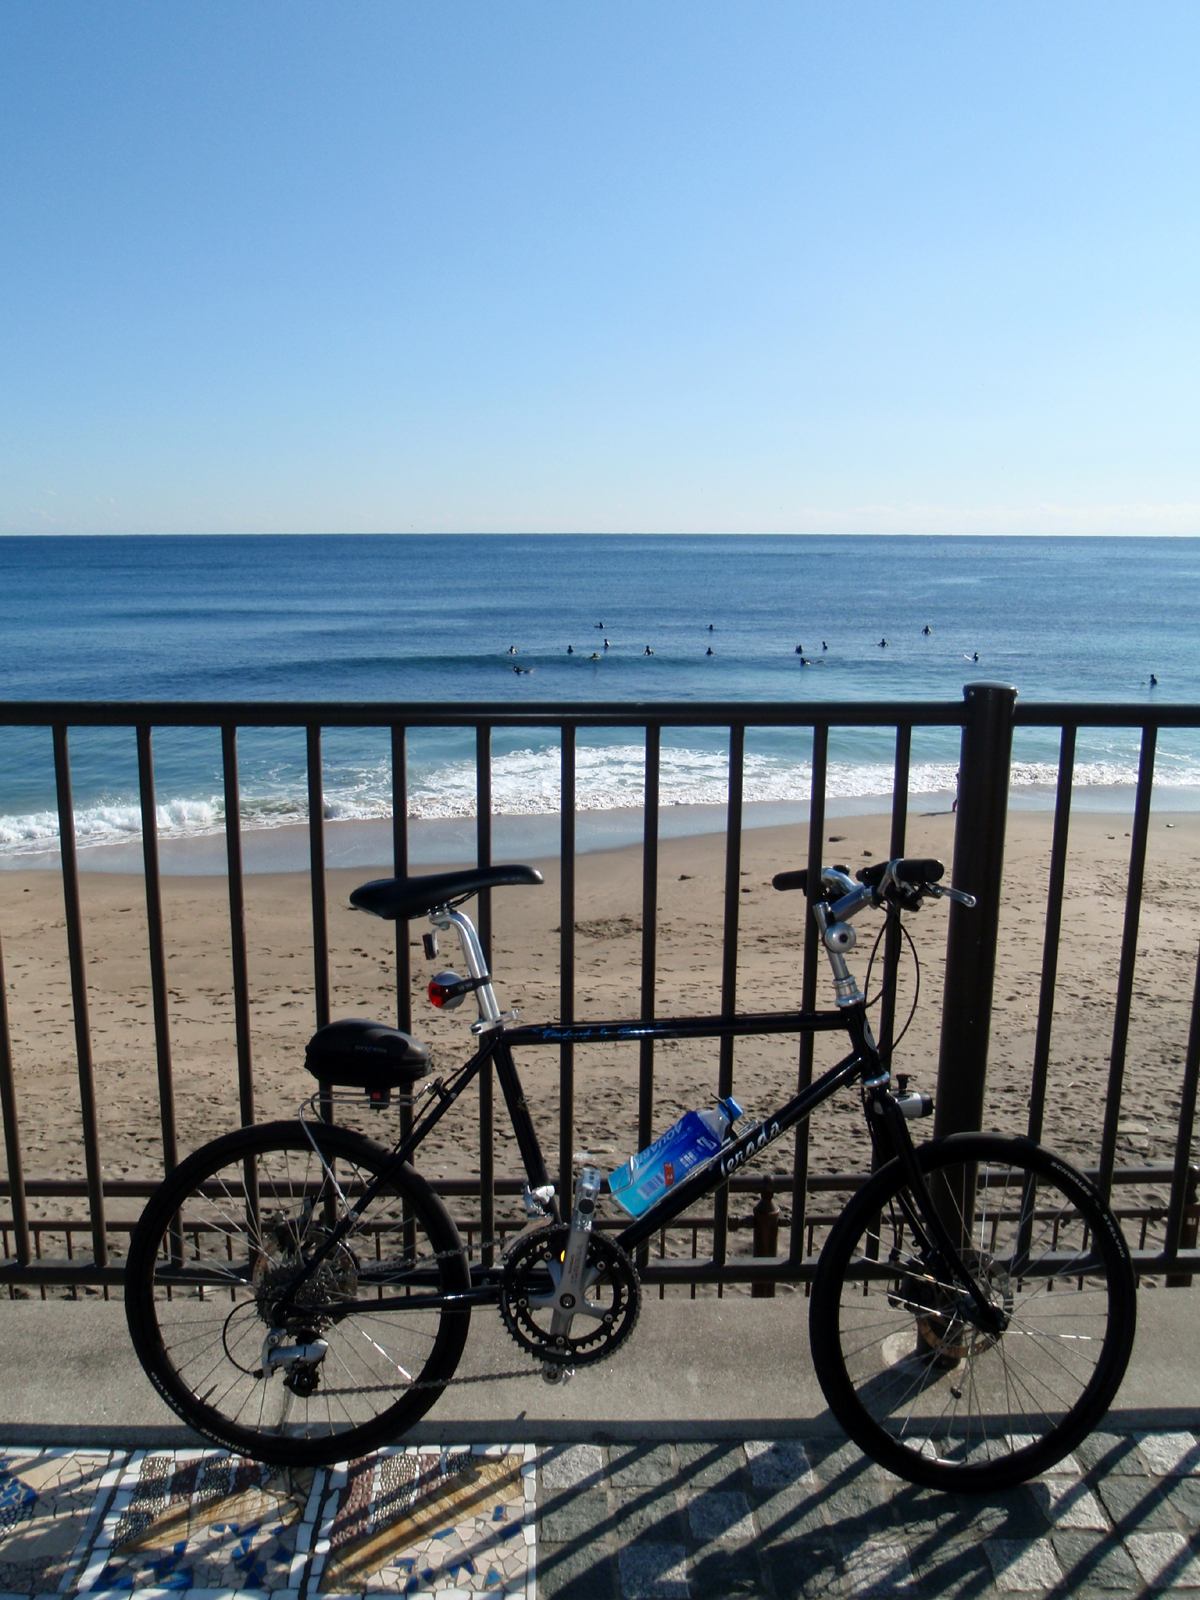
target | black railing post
[{"x": 973, "y": 932}]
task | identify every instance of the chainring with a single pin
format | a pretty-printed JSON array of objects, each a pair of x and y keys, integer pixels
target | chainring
[{"x": 612, "y": 1299}]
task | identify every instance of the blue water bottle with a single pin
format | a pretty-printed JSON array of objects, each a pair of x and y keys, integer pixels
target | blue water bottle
[{"x": 694, "y": 1139}]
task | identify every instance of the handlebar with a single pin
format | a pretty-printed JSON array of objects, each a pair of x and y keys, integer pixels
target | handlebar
[{"x": 906, "y": 880}]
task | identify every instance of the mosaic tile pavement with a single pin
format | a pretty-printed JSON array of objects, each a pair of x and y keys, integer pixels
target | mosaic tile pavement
[
  {"x": 780, "y": 1520},
  {"x": 427, "y": 1522}
]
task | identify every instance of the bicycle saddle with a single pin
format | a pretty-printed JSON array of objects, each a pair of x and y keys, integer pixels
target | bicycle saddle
[{"x": 401, "y": 899}]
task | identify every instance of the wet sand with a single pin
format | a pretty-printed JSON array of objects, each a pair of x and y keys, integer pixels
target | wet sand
[{"x": 608, "y": 967}]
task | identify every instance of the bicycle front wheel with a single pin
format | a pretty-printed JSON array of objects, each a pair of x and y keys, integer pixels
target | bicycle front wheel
[
  {"x": 363, "y": 1349},
  {"x": 897, "y": 1342}
]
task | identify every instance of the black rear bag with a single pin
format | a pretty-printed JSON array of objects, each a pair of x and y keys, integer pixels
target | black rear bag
[{"x": 357, "y": 1054}]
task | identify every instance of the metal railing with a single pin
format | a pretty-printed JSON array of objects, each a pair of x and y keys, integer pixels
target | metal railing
[{"x": 987, "y": 717}]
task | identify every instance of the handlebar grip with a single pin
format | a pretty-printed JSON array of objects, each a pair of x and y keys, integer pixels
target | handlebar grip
[
  {"x": 791, "y": 880},
  {"x": 915, "y": 870}
]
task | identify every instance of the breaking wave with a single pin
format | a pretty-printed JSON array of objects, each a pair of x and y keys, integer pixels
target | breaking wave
[{"x": 528, "y": 783}]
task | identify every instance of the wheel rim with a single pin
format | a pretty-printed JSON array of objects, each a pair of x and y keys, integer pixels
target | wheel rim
[
  {"x": 223, "y": 1262},
  {"x": 948, "y": 1393}
]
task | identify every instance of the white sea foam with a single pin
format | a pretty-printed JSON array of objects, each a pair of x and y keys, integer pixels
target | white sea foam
[{"x": 528, "y": 783}]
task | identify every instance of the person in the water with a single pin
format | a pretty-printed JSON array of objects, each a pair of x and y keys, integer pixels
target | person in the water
[
  {"x": 647, "y": 651},
  {"x": 709, "y": 651},
  {"x": 570, "y": 649},
  {"x": 926, "y": 629}
]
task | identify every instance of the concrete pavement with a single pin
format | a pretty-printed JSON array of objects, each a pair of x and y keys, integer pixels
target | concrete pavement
[{"x": 700, "y": 1462}]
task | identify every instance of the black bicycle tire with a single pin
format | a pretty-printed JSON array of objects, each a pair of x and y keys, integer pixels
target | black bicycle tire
[
  {"x": 165, "y": 1204},
  {"x": 826, "y": 1303}
]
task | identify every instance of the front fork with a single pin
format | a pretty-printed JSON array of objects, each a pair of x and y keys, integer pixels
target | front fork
[{"x": 889, "y": 1133}]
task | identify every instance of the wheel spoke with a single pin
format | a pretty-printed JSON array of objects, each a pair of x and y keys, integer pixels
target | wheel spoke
[
  {"x": 908, "y": 1364},
  {"x": 380, "y": 1369}
]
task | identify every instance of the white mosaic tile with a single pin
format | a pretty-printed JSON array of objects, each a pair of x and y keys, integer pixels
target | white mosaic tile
[
  {"x": 1022, "y": 1566},
  {"x": 653, "y": 1572},
  {"x": 1068, "y": 1503},
  {"x": 1164, "y": 1560},
  {"x": 1174, "y": 1454},
  {"x": 877, "y": 1566}
]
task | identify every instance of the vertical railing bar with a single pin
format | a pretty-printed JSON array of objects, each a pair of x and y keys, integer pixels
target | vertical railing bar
[
  {"x": 566, "y": 965},
  {"x": 316, "y": 872},
  {"x": 1185, "y": 1127},
  {"x": 649, "y": 931},
  {"x": 808, "y": 985},
  {"x": 403, "y": 952},
  {"x": 79, "y": 999},
  {"x": 317, "y": 887},
  {"x": 400, "y": 870},
  {"x": 237, "y": 923},
  {"x": 1133, "y": 911},
  {"x": 1050, "y": 942},
  {"x": 729, "y": 958},
  {"x": 158, "y": 960},
  {"x": 892, "y": 937},
  {"x": 12, "y": 1131},
  {"x": 483, "y": 850}
]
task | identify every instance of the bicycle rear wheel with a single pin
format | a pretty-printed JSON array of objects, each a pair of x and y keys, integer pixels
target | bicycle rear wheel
[
  {"x": 358, "y": 1358},
  {"x": 909, "y": 1373}
]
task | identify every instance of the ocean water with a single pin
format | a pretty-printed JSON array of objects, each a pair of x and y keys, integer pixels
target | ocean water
[{"x": 435, "y": 618}]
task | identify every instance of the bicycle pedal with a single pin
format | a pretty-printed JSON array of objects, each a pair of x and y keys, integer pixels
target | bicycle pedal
[{"x": 556, "y": 1373}]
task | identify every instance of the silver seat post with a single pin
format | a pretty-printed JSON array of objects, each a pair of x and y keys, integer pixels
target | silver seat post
[{"x": 444, "y": 918}]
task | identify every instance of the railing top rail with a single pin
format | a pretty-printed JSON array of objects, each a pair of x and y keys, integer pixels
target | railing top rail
[
  {"x": 576, "y": 713},
  {"x": 468, "y": 713},
  {"x": 1104, "y": 714}
]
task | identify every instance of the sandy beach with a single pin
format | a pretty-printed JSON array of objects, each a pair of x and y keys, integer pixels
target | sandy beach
[{"x": 690, "y": 902}]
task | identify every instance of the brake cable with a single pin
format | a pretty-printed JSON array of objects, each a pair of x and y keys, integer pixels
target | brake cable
[{"x": 894, "y": 911}]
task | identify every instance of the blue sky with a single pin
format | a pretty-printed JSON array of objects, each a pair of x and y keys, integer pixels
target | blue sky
[{"x": 872, "y": 267}]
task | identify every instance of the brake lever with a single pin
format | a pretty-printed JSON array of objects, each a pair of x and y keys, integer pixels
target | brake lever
[{"x": 942, "y": 891}]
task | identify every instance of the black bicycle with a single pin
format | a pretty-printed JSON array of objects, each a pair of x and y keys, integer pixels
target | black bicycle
[{"x": 299, "y": 1293}]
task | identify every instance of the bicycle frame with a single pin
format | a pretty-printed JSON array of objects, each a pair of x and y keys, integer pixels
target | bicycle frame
[
  {"x": 886, "y": 1123},
  {"x": 862, "y": 1063}
]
